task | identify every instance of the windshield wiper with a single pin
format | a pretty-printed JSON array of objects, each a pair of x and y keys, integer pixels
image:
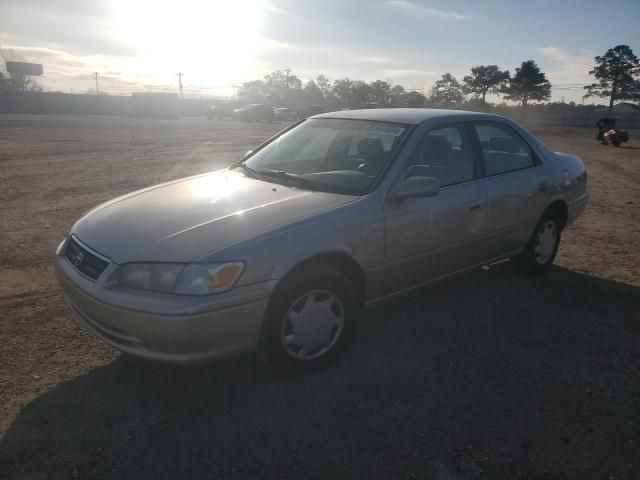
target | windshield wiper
[
  {"x": 288, "y": 178},
  {"x": 247, "y": 169}
]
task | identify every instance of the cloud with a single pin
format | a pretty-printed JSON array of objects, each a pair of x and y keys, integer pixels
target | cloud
[
  {"x": 409, "y": 73},
  {"x": 285, "y": 13},
  {"x": 83, "y": 30},
  {"x": 410, "y": 7},
  {"x": 64, "y": 70},
  {"x": 565, "y": 68},
  {"x": 377, "y": 60}
]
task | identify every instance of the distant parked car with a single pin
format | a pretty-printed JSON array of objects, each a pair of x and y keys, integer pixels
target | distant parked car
[
  {"x": 254, "y": 113},
  {"x": 279, "y": 252},
  {"x": 310, "y": 111},
  {"x": 219, "y": 112},
  {"x": 284, "y": 114}
]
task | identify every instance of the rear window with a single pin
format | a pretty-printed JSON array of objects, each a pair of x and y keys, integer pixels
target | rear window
[{"x": 503, "y": 150}]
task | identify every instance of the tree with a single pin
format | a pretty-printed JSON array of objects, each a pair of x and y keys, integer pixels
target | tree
[
  {"x": 4, "y": 82},
  {"x": 415, "y": 99},
  {"x": 397, "y": 90},
  {"x": 529, "y": 83},
  {"x": 398, "y": 96},
  {"x": 485, "y": 79},
  {"x": 361, "y": 93},
  {"x": 312, "y": 94},
  {"x": 343, "y": 90},
  {"x": 615, "y": 72},
  {"x": 280, "y": 87},
  {"x": 447, "y": 91},
  {"x": 324, "y": 84},
  {"x": 380, "y": 91},
  {"x": 252, "y": 92}
]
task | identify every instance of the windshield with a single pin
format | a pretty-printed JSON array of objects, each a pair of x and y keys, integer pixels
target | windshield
[{"x": 337, "y": 155}]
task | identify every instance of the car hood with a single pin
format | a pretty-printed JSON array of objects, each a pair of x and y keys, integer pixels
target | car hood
[{"x": 186, "y": 219}]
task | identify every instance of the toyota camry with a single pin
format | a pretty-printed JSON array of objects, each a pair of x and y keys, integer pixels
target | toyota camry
[{"x": 280, "y": 252}]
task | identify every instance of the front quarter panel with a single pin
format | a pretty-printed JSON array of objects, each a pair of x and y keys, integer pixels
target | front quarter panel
[{"x": 355, "y": 229}]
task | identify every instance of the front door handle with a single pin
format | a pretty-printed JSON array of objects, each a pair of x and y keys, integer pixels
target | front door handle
[{"x": 476, "y": 205}]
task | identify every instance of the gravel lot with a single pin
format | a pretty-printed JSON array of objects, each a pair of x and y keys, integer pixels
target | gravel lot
[{"x": 488, "y": 375}]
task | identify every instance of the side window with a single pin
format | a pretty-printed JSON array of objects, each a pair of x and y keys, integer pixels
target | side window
[
  {"x": 444, "y": 153},
  {"x": 502, "y": 149}
]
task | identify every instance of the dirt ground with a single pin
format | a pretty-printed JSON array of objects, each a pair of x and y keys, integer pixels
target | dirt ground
[{"x": 487, "y": 375}]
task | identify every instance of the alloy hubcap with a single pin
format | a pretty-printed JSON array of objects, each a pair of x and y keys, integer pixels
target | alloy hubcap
[
  {"x": 313, "y": 324},
  {"x": 545, "y": 242}
]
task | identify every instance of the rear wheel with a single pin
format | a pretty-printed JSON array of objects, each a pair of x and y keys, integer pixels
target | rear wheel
[
  {"x": 310, "y": 320},
  {"x": 541, "y": 250}
]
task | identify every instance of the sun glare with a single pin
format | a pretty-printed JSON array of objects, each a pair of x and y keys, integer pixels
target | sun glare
[{"x": 211, "y": 41}]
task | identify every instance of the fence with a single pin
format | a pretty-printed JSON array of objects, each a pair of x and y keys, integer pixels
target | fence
[
  {"x": 569, "y": 117},
  {"x": 88, "y": 104},
  {"x": 84, "y": 104}
]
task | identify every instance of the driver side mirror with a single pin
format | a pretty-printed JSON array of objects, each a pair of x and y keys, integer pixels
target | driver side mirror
[{"x": 415, "y": 187}]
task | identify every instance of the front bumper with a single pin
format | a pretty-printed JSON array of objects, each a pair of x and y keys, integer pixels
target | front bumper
[{"x": 162, "y": 327}]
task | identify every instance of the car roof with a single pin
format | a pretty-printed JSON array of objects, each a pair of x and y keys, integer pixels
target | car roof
[{"x": 411, "y": 116}]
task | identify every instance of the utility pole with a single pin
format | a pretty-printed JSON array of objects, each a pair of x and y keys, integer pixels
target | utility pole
[
  {"x": 179, "y": 74},
  {"x": 95, "y": 75},
  {"x": 286, "y": 82}
]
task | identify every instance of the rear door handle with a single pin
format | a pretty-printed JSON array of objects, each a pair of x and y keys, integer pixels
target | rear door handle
[{"x": 477, "y": 204}]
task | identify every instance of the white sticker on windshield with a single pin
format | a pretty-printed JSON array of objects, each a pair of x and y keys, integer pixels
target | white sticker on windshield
[{"x": 385, "y": 129}]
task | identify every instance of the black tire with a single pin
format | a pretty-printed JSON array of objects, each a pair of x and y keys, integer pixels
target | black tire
[
  {"x": 529, "y": 261},
  {"x": 313, "y": 277}
]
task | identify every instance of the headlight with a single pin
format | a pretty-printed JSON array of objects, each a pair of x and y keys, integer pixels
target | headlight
[
  {"x": 191, "y": 279},
  {"x": 202, "y": 279},
  {"x": 156, "y": 277}
]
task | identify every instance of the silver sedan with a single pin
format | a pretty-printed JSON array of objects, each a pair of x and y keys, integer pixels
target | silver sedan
[{"x": 279, "y": 252}]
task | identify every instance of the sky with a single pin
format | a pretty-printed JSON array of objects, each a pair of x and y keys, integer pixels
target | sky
[{"x": 140, "y": 45}]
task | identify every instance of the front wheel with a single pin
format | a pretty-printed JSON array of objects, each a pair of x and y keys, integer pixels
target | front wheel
[
  {"x": 541, "y": 250},
  {"x": 310, "y": 320}
]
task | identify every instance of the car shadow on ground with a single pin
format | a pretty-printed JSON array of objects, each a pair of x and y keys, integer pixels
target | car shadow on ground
[{"x": 488, "y": 375}]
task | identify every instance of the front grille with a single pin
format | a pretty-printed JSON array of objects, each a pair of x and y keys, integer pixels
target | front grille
[{"x": 83, "y": 260}]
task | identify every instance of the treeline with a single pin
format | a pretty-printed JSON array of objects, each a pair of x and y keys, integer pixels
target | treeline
[
  {"x": 528, "y": 83},
  {"x": 615, "y": 74}
]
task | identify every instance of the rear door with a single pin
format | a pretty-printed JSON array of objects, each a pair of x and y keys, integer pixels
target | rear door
[
  {"x": 518, "y": 186},
  {"x": 426, "y": 238}
]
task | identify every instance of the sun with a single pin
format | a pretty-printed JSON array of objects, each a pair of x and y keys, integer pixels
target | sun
[{"x": 211, "y": 41}]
